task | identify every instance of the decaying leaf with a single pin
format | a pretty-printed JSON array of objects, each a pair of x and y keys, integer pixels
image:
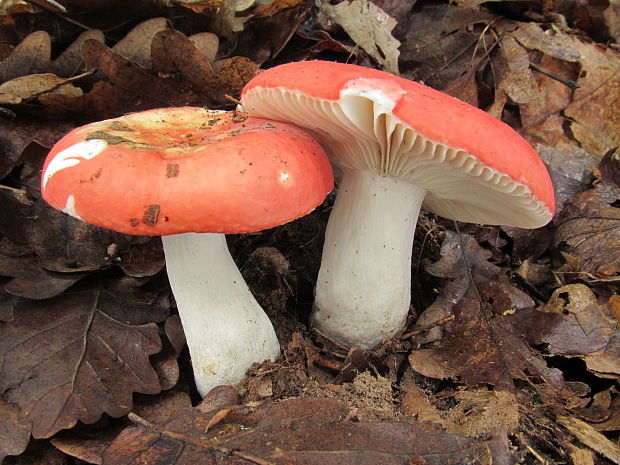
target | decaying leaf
[
  {"x": 174, "y": 54},
  {"x": 593, "y": 118},
  {"x": 208, "y": 44},
  {"x": 31, "y": 56},
  {"x": 135, "y": 79},
  {"x": 233, "y": 74},
  {"x": 142, "y": 259},
  {"x": 33, "y": 282},
  {"x": 480, "y": 413},
  {"x": 300, "y": 431},
  {"x": 66, "y": 244},
  {"x": 515, "y": 79},
  {"x": 479, "y": 345},
  {"x": 15, "y": 137},
  {"x": 70, "y": 61},
  {"x": 29, "y": 87},
  {"x": 65, "y": 360},
  {"x": 588, "y": 234},
  {"x": 369, "y": 27},
  {"x": 136, "y": 45},
  {"x": 87, "y": 449},
  {"x": 14, "y": 435},
  {"x": 606, "y": 362},
  {"x": 583, "y": 326},
  {"x": 444, "y": 42}
]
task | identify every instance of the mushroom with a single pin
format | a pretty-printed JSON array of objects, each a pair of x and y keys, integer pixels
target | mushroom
[
  {"x": 192, "y": 175},
  {"x": 401, "y": 146}
]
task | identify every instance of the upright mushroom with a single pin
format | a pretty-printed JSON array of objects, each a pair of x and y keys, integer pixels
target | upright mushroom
[
  {"x": 401, "y": 146},
  {"x": 192, "y": 175}
]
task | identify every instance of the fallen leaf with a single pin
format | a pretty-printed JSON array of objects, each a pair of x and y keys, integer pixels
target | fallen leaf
[
  {"x": 441, "y": 42},
  {"x": 87, "y": 449},
  {"x": 91, "y": 365},
  {"x": 70, "y": 61},
  {"x": 16, "y": 136},
  {"x": 583, "y": 326},
  {"x": 143, "y": 259},
  {"x": 369, "y": 27},
  {"x": 174, "y": 54},
  {"x": 515, "y": 81},
  {"x": 14, "y": 435},
  {"x": 136, "y": 45},
  {"x": 208, "y": 44},
  {"x": 7, "y": 306},
  {"x": 174, "y": 332},
  {"x": 23, "y": 89},
  {"x": 609, "y": 168},
  {"x": 612, "y": 19},
  {"x": 269, "y": 29},
  {"x": 31, "y": 56},
  {"x": 38, "y": 453},
  {"x": 592, "y": 120},
  {"x": 16, "y": 218},
  {"x": 233, "y": 74},
  {"x": 300, "y": 431},
  {"x": 481, "y": 413},
  {"x": 159, "y": 409},
  {"x": 33, "y": 282},
  {"x": 588, "y": 234},
  {"x": 66, "y": 244},
  {"x": 606, "y": 362},
  {"x": 136, "y": 80},
  {"x": 479, "y": 345},
  {"x": 217, "y": 398}
]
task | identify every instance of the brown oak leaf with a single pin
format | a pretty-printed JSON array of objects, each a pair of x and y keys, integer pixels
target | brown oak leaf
[{"x": 64, "y": 360}]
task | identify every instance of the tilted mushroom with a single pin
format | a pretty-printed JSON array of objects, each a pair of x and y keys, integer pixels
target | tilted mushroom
[
  {"x": 401, "y": 146},
  {"x": 192, "y": 175}
]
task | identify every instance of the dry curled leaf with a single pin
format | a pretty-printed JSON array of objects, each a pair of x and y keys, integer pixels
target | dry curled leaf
[{"x": 65, "y": 360}]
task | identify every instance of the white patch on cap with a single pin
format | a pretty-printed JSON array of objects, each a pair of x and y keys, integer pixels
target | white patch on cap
[
  {"x": 384, "y": 92},
  {"x": 72, "y": 156},
  {"x": 70, "y": 208},
  {"x": 283, "y": 177}
]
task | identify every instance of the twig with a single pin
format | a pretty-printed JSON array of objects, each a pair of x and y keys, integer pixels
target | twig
[
  {"x": 333, "y": 365},
  {"x": 537, "y": 455},
  {"x": 196, "y": 442},
  {"x": 340, "y": 346},
  {"x": 567, "y": 82},
  {"x": 415, "y": 332}
]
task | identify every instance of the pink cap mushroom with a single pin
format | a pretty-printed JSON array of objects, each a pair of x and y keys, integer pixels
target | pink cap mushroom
[
  {"x": 190, "y": 175},
  {"x": 401, "y": 146}
]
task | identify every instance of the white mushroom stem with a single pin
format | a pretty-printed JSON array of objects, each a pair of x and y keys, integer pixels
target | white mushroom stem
[
  {"x": 225, "y": 328},
  {"x": 364, "y": 286}
]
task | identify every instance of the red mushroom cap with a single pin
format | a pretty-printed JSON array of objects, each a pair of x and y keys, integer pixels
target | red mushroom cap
[
  {"x": 177, "y": 170},
  {"x": 442, "y": 120}
]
